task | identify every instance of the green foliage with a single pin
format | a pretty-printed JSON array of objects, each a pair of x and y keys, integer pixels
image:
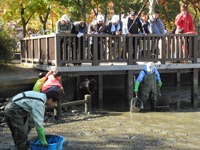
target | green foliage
[{"x": 7, "y": 45}]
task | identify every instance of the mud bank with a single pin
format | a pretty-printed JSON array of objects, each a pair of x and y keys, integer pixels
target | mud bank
[{"x": 103, "y": 130}]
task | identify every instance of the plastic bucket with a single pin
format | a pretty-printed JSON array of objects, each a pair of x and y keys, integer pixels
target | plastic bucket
[{"x": 55, "y": 142}]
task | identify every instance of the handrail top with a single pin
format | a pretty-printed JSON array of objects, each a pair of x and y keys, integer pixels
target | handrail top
[{"x": 109, "y": 35}]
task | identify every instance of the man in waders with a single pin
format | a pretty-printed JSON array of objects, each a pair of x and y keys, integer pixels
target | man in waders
[
  {"x": 150, "y": 77},
  {"x": 26, "y": 110}
]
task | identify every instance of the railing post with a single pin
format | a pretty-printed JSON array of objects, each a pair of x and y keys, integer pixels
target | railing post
[
  {"x": 57, "y": 51},
  {"x": 195, "y": 49},
  {"x": 163, "y": 59},
  {"x": 88, "y": 104},
  {"x": 130, "y": 52},
  {"x": 95, "y": 49}
]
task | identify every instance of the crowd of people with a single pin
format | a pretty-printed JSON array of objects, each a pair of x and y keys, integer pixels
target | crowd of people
[{"x": 134, "y": 24}]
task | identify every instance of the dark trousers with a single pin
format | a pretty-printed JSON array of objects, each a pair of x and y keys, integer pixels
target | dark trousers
[{"x": 20, "y": 124}]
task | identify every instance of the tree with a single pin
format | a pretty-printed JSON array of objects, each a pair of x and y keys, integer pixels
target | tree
[{"x": 19, "y": 11}]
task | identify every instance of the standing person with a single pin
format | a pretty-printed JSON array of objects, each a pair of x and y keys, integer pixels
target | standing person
[
  {"x": 115, "y": 27},
  {"x": 133, "y": 24},
  {"x": 145, "y": 23},
  {"x": 97, "y": 27},
  {"x": 151, "y": 78},
  {"x": 80, "y": 28},
  {"x": 63, "y": 26},
  {"x": 184, "y": 20},
  {"x": 156, "y": 27},
  {"x": 24, "y": 108},
  {"x": 53, "y": 83},
  {"x": 42, "y": 78}
]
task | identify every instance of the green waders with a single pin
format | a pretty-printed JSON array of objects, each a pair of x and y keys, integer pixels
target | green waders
[
  {"x": 20, "y": 124},
  {"x": 149, "y": 89}
]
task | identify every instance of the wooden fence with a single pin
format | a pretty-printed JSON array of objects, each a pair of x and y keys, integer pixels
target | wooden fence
[{"x": 60, "y": 49}]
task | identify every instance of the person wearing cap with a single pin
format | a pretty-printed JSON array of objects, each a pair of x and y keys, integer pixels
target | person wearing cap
[
  {"x": 184, "y": 20},
  {"x": 25, "y": 111},
  {"x": 80, "y": 28},
  {"x": 115, "y": 27},
  {"x": 156, "y": 26},
  {"x": 97, "y": 27},
  {"x": 151, "y": 79},
  {"x": 63, "y": 25},
  {"x": 133, "y": 25}
]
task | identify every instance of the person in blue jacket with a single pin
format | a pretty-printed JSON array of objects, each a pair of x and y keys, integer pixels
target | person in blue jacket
[{"x": 151, "y": 78}]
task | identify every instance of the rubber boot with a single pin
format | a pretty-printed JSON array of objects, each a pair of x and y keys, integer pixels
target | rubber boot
[{"x": 153, "y": 107}]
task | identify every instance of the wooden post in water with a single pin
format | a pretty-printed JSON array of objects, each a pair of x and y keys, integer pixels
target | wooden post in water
[
  {"x": 129, "y": 87},
  {"x": 178, "y": 78},
  {"x": 88, "y": 105},
  {"x": 194, "y": 89},
  {"x": 100, "y": 91}
]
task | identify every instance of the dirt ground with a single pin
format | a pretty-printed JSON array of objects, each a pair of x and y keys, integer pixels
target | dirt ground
[{"x": 123, "y": 130}]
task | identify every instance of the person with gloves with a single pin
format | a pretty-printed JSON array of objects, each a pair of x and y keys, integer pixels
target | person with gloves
[
  {"x": 151, "y": 79},
  {"x": 26, "y": 110}
]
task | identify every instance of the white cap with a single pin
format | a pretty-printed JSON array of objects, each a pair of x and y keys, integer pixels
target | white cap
[
  {"x": 149, "y": 67},
  {"x": 115, "y": 18},
  {"x": 64, "y": 17},
  {"x": 100, "y": 18}
]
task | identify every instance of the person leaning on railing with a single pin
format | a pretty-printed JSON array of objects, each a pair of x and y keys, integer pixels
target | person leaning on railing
[
  {"x": 63, "y": 26},
  {"x": 80, "y": 28},
  {"x": 115, "y": 27},
  {"x": 97, "y": 27}
]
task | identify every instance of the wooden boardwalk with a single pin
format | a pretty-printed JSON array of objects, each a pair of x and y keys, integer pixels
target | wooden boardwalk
[{"x": 107, "y": 54}]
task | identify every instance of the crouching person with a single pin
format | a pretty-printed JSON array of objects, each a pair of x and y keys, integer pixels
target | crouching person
[
  {"x": 150, "y": 77},
  {"x": 25, "y": 111}
]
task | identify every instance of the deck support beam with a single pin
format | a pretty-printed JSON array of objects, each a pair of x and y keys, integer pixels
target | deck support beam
[
  {"x": 129, "y": 87},
  {"x": 194, "y": 89},
  {"x": 100, "y": 91}
]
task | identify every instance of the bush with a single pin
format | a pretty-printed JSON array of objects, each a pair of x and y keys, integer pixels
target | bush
[{"x": 7, "y": 47}]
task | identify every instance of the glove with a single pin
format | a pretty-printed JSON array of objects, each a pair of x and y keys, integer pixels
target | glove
[
  {"x": 41, "y": 136},
  {"x": 160, "y": 84},
  {"x": 102, "y": 32},
  {"x": 96, "y": 33},
  {"x": 136, "y": 86}
]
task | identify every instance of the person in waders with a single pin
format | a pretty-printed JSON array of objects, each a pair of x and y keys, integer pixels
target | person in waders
[
  {"x": 151, "y": 79},
  {"x": 25, "y": 111}
]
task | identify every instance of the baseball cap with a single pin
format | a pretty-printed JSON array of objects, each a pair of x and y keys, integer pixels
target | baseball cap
[
  {"x": 115, "y": 18},
  {"x": 100, "y": 18},
  {"x": 133, "y": 13},
  {"x": 64, "y": 17}
]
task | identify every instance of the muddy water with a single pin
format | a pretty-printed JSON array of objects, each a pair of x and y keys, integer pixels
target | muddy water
[{"x": 104, "y": 130}]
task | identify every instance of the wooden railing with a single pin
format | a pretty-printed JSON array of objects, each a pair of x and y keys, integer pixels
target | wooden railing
[{"x": 60, "y": 49}]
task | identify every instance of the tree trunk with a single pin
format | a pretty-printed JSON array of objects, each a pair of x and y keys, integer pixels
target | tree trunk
[
  {"x": 23, "y": 21},
  {"x": 151, "y": 7}
]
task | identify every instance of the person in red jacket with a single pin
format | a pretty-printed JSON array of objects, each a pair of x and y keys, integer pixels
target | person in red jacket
[{"x": 184, "y": 20}]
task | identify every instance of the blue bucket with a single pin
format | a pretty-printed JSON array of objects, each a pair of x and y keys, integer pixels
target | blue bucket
[{"x": 55, "y": 142}]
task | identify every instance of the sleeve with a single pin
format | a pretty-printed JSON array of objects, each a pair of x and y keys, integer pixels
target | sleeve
[
  {"x": 126, "y": 29},
  {"x": 157, "y": 75},
  {"x": 58, "y": 28},
  {"x": 91, "y": 29},
  {"x": 178, "y": 20},
  {"x": 191, "y": 26},
  {"x": 109, "y": 28},
  {"x": 87, "y": 83},
  {"x": 141, "y": 76},
  {"x": 163, "y": 31},
  {"x": 69, "y": 25},
  {"x": 121, "y": 27}
]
